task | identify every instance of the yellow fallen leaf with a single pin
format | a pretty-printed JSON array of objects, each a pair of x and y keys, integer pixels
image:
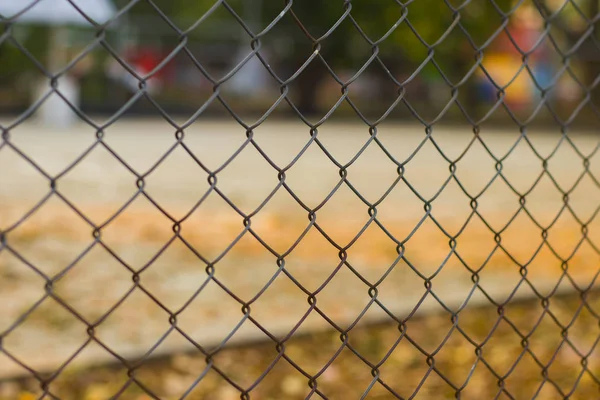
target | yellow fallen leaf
[
  {"x": 293, "y": 385},
  {"x": 97, "y": 392}
]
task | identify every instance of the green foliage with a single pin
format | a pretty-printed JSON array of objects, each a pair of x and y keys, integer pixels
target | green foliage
[
  {"x": 14, "y": 61},
  {"x": 479, "y": 18}
]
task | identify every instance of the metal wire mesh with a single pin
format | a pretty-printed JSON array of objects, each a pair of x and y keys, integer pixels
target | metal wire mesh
[{"x": 345, "y": 14}]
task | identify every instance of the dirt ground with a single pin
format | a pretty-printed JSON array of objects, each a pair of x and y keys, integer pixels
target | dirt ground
[
  {"x": 517, "y": 346},
  {"x": 54, "y": 249}
]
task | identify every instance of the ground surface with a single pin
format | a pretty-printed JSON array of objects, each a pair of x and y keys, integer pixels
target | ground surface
[
  {"x": 58, "y": 243},
  {"x": 523, "y": 356}
]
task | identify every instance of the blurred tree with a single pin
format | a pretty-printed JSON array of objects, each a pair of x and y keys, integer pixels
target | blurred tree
[
  {"x": 402, "y": 51},
  {"x": 345, "y": 46},
  {"x": 17, "y": 70}
]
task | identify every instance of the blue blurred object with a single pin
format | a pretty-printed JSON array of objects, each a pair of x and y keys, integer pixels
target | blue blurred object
[{"x": 485, "y": 90}]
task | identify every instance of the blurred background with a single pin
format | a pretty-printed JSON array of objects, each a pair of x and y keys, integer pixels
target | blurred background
[
  {"x": 144, "y": 39},
  {"x": 457, "y": 183}
]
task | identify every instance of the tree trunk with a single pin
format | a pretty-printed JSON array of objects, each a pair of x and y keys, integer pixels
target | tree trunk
[
  {"x": 593, "y": 65},
  {"x": 306, "y": 86}
]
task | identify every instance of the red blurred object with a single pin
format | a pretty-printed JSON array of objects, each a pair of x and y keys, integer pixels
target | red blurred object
[{"x": 146, "y": 59}]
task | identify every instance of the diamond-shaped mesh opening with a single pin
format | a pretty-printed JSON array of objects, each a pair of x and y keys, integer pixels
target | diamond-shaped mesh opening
[
  {"x": 83, "y": 286},
  {"x": 234, "y": 263},
  {"x": 101, "y": 382},
  {"x": 232, "y": 199},
  {"x": 64, "y": 335},
  {"x": 46, "y": 245},
  {"x": 14, "y": 81},
  {"x": 290, "y": 308},
  {"x": 359, "y": 373},
  {"x": 35, "y": 191},
  {"x": 407, "y": 358},
  {"x": 131, "y": 326},
  {"x": 201, "y": 305}
]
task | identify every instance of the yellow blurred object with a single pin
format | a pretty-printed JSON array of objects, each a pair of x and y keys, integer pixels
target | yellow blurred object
[
  {"x": 504, "y": 69},
  {"x": 27, "y": 396},
  {"x": 293, "y": 385},
  {"x": 463, "y": 354},
  {"x": 97, "y": 392}
]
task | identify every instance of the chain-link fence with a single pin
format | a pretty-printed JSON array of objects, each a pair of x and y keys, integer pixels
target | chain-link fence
[{"x": 300, "y": 215}]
